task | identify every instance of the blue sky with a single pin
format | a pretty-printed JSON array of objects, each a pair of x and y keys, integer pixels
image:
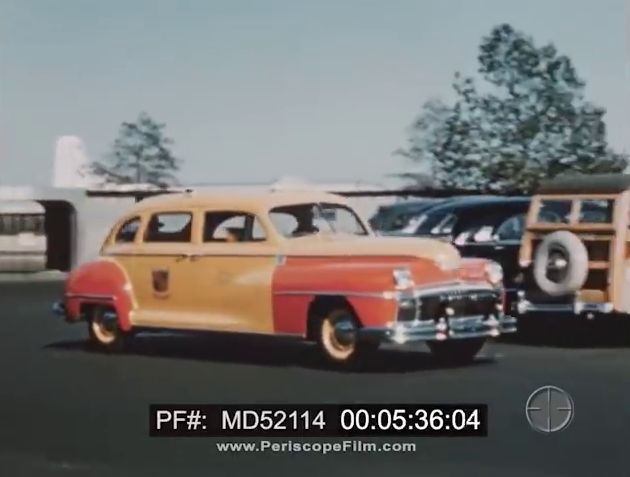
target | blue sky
[{"x": 254, "y": 90}]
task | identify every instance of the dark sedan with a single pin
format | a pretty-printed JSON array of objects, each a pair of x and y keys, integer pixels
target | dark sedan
[
  {"x": 394, "y": 217},
  {"x": 485, "y": 226}
]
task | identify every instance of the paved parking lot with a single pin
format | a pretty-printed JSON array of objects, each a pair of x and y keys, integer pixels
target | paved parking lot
[{"x": 67, "y": 410}]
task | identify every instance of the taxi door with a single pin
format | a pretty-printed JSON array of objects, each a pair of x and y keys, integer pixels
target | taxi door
[
  {"x": 161, "y": 271},
  {"x": 233, "y": 273}
]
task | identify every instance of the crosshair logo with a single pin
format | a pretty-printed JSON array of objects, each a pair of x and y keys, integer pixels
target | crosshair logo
[{"x": 549, "y": 409}]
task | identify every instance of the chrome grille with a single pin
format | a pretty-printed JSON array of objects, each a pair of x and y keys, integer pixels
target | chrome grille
[{"x": 462, "y": 303}]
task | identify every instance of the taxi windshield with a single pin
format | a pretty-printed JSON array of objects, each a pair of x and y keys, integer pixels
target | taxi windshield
[{"x": 301, "y": 220}]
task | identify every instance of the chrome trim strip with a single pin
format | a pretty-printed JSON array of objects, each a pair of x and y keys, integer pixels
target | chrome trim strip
[
  {"x": 90, "y": 296},
  {"x": 381, "y": 295},
  {"x": 191, "y": 254},
  {"x": 416, "y": 292}
]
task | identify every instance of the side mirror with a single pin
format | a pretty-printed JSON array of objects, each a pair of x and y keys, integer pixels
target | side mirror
[{"x": 484, "y": 234}]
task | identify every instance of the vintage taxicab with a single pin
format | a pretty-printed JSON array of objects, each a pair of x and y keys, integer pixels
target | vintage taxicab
[
  {"x": 283, "y": 263},
  {"x": 575, "y": 252}
]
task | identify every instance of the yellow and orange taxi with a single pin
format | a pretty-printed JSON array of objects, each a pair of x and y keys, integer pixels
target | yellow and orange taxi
[{"x": 282, "y": 263}]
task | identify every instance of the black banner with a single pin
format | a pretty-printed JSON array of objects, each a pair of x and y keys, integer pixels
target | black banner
[{"x": 318, "y": 420}]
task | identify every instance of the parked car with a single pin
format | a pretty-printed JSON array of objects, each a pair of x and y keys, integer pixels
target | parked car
[
  {"x": 574, "y": 253},
  {"x": 283, "y": 263},
  {"x": 485, "y": 226},
  {"x": 393, "y": 217}
]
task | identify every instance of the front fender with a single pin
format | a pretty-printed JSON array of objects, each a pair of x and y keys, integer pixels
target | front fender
[{"x": 366, "y": 284}]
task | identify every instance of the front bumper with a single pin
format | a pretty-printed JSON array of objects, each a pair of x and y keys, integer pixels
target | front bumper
[
  {"x": 458, "y": 311},
  {"x": 444, "y": 329}
]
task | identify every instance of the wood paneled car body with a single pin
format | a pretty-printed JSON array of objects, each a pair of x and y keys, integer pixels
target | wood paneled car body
[
  {"x": 575, "y": 251},
  {"x": 286, "y": 263}
]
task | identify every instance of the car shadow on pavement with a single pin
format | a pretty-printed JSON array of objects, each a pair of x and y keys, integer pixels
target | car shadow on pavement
[
  {"x": 265, "y": 351},
  {"x": 568, "y": 332}
]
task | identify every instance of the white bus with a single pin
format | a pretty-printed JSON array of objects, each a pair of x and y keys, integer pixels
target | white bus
[{"x": 22, "y": 236}]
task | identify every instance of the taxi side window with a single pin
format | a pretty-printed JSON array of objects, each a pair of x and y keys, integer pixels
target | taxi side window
[
  {"x": 169, "y": 227},
  {"x": 127, "y": 232},
  {"x": 228, "y": 226}
]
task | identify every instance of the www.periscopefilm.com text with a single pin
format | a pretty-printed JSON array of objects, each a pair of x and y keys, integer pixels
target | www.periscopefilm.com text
[{"x": 316, "y": 447}]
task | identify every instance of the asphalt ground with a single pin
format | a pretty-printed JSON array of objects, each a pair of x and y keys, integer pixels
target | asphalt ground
[{"x": 66, "y": 409}]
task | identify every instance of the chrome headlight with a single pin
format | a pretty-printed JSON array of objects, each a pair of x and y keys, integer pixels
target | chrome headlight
[
  {"x": 494, "y": 272},
  {"x": 403, "y": 278}
]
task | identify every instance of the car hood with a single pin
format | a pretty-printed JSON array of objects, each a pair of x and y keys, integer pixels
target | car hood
[{"x": 443, "y": 253}]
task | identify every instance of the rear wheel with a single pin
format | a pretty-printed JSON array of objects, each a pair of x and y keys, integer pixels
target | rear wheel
[
  {"x": 104, "y": 330},
  {"x": 456, "y": 351},
  {"x": 337, "y": 338}
]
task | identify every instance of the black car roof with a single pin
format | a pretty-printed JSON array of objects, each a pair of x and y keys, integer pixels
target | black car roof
[
  {"x": 411, "y": 204},
  {"x": 480, "y": 202},
  {"x": 436, "y": 202},
  {"x": 586, "y": 184}
]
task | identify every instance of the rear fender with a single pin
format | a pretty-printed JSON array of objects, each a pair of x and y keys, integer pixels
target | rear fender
[{"x": 101, "y": 282}]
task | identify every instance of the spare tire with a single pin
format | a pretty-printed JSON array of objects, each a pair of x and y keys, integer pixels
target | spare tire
[{"x": 561, "y": 263}]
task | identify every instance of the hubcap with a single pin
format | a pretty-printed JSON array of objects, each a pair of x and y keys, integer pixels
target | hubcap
[
  {"x": 105, "y": 329},
  {"x": 557, "y": 265}
]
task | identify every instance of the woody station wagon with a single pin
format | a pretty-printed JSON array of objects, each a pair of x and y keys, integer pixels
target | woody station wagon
[
  {"x": 283, "y": 263},
  {"x": 575, "y": 252}
]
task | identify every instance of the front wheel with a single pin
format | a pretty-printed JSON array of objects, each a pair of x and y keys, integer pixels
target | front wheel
[
  {"x": 456, "y": 351},
  {"x": 104, "y": 330},
  {"x": 337, "y": 338}
]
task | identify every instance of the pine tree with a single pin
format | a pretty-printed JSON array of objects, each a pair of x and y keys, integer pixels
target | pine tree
[{"x": 140, "y": 154}]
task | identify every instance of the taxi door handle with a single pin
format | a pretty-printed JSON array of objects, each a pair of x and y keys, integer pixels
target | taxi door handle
[{"x": 182, "y": 256}]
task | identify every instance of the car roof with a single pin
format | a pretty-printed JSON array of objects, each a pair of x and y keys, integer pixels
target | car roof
[
  {"x": 431, "y": 202},
  {"x": 586, "y": 184},
  {"x": 478, "y": 202},
  {"x": 410, "y": 204},
  {"x": 252, "y": 201}
]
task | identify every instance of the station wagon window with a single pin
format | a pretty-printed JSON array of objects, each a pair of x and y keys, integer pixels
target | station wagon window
[
  {"x": 593, "y": 211},
  {"x": 169, "y": 227},
  {"x": 554, "y": 211},
  {"x": 127, "y": 232},
  {"x": 228, "y": 226}
]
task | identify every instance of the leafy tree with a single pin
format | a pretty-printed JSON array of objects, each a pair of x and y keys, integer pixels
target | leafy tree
[
  {"x": 140, "y": 154},
  {"x": 532, "y": 122}
]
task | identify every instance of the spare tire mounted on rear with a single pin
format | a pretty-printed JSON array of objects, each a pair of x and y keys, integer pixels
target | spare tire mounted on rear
[{"x": 561, "y": 263}]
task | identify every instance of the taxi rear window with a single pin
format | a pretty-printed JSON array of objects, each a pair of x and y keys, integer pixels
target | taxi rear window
[{"x": 169, "y": 227}]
